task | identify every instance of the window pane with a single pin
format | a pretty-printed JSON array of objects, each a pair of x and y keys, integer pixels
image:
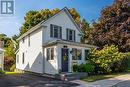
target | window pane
[
  {"x": 56, "y": 32},
  {"x": 74, "y": 55},
  {"x": 86, "y": 54},
  {"x": 52, "y": 53},
  {"x": 48, "y": 54},
  {"x": 79, "y": 54},
  {"x": 17, "y": 58},
  {"x": 23, "y": 58}
]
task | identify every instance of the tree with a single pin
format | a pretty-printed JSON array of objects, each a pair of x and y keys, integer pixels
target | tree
[{"x": 113, "y": 27}]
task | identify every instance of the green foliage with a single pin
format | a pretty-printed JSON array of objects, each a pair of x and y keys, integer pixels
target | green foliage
[
  {"x": 109, "y": 59},
  {"x": 89, "y": 68},
  {"x": 113, "y": 27},
  {"x": 13, "y": 67},
  {"x": 2, "y": 72}
]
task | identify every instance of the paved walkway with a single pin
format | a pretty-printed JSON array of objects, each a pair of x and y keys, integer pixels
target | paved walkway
[{"x": 104, "y": 83}]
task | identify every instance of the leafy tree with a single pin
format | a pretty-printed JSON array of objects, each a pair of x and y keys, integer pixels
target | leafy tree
[{"x": 113, "y": 27}]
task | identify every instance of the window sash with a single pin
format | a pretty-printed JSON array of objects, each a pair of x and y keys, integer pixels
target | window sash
[
  {"x": 50, "y": 53},
  {"x": 23, "y": 58},
  {"x": 70, "y": 35},
  {"x": 55, "y": 31}
]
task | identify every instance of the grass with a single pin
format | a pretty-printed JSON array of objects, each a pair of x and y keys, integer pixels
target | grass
[
  {"x": 101, "y": 77},
  {"x": 10, "y": 73}
]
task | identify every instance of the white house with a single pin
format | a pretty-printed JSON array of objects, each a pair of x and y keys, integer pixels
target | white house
[
  {"x": 1, "y": 59},
  {"x": 52, "y": 46}
]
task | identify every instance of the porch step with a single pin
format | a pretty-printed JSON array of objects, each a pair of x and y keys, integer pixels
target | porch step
[{"x": 72, "y": 76}]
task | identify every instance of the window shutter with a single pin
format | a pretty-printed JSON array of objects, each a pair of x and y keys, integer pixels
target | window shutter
[
  {"x": 67, "y": 33},
  {"x": 60, "y": 32},
  {"x": 74, "y": 35},
  {"x": 51, "y": 30}
]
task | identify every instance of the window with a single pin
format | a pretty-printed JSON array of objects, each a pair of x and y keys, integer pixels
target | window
[
  {"x": 23, "y": 40},
  {"x": 50, "y": 53},
  {"x": 55, "y": 31},
  {"x": 17, "y": 58},
  {"x": 86, "y": 54},
  {"x": 70, "y": 35},
  {"x": 29, "y": 40},
  {"x": 77, "y": 54},
  {"x": 23, "y": 58}
]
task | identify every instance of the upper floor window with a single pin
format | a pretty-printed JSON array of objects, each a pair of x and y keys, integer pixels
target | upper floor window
[
  {"x": 50, "y": 53},
  {"x": 23, "y": 40},
  {"x": 23, "y": 58},
  {"x": 70, "y": 35},
  {"x": 55, "y": 31},
  {"x": 29, "y": 40}
]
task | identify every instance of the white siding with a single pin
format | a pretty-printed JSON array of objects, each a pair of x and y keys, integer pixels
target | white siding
[
  {"x": 61, "y": 20},
  {"x": 51, "y": 66},
  {"x": 33, "y": 53}
]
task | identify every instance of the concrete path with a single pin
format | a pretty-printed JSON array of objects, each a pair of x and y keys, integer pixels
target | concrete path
[{"x": 104, "y": 83}]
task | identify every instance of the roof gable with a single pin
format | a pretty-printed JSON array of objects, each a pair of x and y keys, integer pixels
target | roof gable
[{"x": 65, "y": 9}]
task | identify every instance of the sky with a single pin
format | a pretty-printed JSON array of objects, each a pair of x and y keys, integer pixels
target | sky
[{"x": 88, "y": 9}]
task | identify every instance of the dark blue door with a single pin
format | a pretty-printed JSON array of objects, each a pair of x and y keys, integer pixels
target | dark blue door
[{"x": 64, "y": 60}]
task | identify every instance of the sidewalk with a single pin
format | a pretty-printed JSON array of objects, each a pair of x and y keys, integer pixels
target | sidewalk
[{"x": 104, "y": 83}]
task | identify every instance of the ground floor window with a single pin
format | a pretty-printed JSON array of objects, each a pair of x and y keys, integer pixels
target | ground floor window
[
  {"x": 50, "y": 53},
  {"x": 87, "y": 54},
  {"x": 76, "y": 54}
]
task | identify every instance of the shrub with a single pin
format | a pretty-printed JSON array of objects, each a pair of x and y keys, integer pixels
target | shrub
[
  {"x": 75, "y": 68},
  {"x": 2, "y": 72},
  {"x": 13, "y": 67},
  {"x": 109, "y": 59}
]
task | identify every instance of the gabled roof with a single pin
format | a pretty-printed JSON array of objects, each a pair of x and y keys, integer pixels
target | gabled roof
[{"x": 65, "y": 9}]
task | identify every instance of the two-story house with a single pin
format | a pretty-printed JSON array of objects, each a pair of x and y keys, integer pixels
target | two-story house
[{"x": 52, "y": 46}]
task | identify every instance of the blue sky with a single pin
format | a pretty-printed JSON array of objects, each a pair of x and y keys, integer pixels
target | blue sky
[{"x": 88, "y": 9}]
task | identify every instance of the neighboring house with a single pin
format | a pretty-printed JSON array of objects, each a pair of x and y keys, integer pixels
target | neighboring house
[{"x": 52, "y": 46}]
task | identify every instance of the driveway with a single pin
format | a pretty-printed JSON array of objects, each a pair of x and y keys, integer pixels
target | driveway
[
  {"x": 123, "y": 84},
  {"x": 27, "y": 80}
]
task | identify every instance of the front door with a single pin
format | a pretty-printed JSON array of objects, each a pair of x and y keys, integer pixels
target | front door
[{"x": 64, "y": 63}]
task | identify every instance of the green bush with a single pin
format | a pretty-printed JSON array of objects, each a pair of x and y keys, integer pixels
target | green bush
[
  {"x": 89, "y": 68},
  {"x": 109, "y": 59},
  {"x": 2, "y": 72},
  {"x": 13, "y": 67},
  {"x": 75, "y": 68}
]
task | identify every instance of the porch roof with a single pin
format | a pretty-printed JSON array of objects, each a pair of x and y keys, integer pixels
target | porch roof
[{"x": 54, "y": 42}]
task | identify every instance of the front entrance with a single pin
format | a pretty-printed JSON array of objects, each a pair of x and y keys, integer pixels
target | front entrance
[{"x": 64, "y": 61}]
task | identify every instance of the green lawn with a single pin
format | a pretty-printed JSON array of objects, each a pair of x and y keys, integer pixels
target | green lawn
[{"x": 100, "y": 77}]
